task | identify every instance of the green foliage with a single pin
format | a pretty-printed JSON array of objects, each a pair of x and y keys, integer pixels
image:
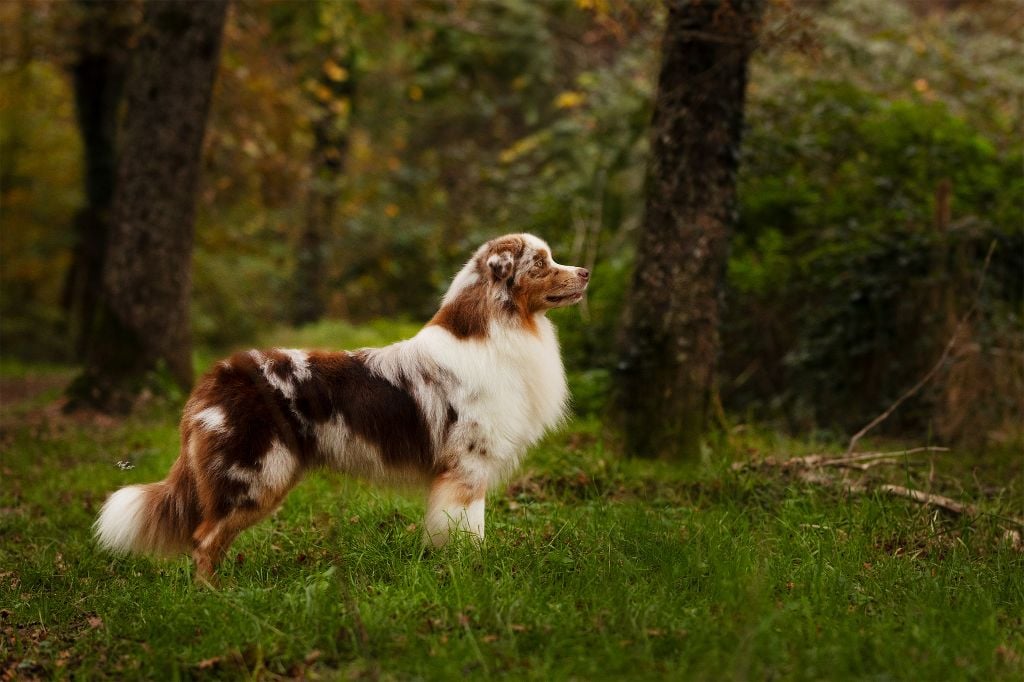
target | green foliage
[
  {"x": 39, "y": 192},
  {"x": 839, "y": 255}
]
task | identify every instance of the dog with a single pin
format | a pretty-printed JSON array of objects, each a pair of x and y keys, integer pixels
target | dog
[{"x": 452, "y": 409}]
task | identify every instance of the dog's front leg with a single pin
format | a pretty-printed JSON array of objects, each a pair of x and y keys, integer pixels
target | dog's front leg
[{"x": 455, "y": 505}]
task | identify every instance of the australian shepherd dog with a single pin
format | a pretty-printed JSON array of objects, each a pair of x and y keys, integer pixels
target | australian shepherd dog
[{"x": 453, "y": 409}]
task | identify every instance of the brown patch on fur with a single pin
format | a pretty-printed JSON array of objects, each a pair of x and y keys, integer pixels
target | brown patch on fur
[
  {"x": 450, "y": 486},
  {"x": 280, "y": 363},
  {"x": 513, "y": 244},
  {"x": 373, "y": 408},
  {"x": 466, "y": 317}
]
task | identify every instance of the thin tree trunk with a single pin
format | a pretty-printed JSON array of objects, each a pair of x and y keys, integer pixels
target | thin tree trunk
[
  {"x": 333, "y": 106},
  {"x": 143, "y": 321},
  {"x": 670, "y": 341}
]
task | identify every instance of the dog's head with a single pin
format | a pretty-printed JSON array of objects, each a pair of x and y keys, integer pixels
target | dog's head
[
  {"x": 520, "y": 271},
  {"x": 511, "y": 277}
]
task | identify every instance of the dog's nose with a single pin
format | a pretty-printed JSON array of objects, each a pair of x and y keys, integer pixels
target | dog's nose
[{"x": 583, "y": 273}]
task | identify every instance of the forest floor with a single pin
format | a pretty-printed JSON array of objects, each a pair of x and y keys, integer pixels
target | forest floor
[{"x": 595, "y": 567}]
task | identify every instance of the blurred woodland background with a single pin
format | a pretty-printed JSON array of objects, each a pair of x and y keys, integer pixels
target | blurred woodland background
[{"x": 356, "y": 152}]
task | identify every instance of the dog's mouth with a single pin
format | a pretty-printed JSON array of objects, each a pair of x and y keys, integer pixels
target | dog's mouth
[{"x": 565, "y": 299}]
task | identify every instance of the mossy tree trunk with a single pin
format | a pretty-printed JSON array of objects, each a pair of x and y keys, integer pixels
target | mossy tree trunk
[
  {"x": 143, "y": 312},
  {"x": 670, "y": 339}
]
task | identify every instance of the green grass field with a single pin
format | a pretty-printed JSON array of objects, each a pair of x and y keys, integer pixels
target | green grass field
[{"x": 594, "y": 567}]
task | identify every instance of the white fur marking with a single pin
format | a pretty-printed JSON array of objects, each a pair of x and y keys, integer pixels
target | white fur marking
[
  {"x": 300, "y": 370},
  {"x": 300, "y": 363},
  {"x": 278, "y": 467},
  {"x": 241, "y": 474},
  {"x": 212, "y": 419}
]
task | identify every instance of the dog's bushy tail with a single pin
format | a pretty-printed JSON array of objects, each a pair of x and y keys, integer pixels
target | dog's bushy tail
[{"x": 153, "y": 518}]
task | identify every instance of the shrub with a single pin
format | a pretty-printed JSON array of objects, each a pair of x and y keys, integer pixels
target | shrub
[{"x": 848, "y": 275}]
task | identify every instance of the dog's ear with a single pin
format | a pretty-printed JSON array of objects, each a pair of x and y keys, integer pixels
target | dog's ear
[{"x": 501, "y": 265}]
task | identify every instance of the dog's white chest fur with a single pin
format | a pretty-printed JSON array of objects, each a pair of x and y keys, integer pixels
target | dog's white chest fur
[{"x": 510, "y": 389}]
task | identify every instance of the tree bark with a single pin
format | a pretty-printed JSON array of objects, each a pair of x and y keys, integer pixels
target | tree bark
[
  {"x": 670, "y": 341},
  {"x": 98, "y": 76},
  {"x": 143, "y": 320}
]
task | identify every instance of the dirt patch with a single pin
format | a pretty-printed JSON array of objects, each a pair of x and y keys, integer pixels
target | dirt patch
[
  {"x": 22, "y": 405},
  {"x": 22, "y": 389}
]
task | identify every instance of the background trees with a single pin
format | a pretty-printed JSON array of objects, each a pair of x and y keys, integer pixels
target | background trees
[{"x": 470, "y": 119}]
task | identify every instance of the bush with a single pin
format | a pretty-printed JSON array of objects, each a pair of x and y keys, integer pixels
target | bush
[{"x": 847, "y": 278}]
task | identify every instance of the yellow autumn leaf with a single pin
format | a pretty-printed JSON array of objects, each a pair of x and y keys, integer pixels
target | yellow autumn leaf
[
  {"x": 322, "y": 93},
  {"x": 596, "y": 6},
  {"x": 569, "y": 100},
  {"x": 340, "y": 107},
  {"x": 335, "y": 72},
  {"x": 391, "y": 210},
  {"x": 415, "y": 93},
  {"x": 521, "y": 147}
]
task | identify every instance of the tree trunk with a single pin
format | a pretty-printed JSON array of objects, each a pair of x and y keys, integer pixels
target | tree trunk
[
  {"x": 670, "y": 339},
  {"x": 98, "y": 80},
  {"x": 143, "y": 320},
  {"x": 332, "y": 106}
]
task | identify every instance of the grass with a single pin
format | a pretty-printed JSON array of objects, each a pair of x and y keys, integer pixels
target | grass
[{"x": 594, "y": 568}]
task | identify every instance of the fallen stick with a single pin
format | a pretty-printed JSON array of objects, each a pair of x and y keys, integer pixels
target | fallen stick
[
  {"x": 888, "y": 462},
  {"x": 949, "y": 504},
  {"x": 930, "y": 499},
  {"x": 826, "y": 460},
  {"x": 871, "y": 456}
]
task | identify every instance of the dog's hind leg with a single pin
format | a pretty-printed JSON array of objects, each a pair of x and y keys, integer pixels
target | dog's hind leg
[
  {"x": 238, "y": 498},
  {"x": 213, "y": 538},
  {"x": 455, "y": 505}
]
